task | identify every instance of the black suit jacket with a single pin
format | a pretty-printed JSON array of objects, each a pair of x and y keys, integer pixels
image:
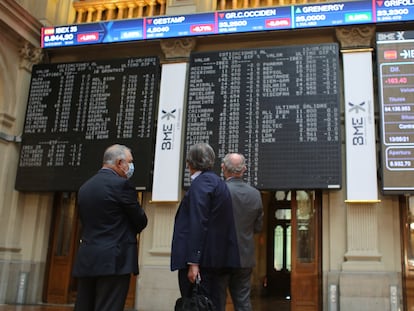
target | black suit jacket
[
  {"x": 204, "y": 229},
  {"x": 111, "y": 218}
]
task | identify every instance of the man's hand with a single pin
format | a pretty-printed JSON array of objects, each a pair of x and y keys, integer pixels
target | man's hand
[{"x": 193, "y": 272}]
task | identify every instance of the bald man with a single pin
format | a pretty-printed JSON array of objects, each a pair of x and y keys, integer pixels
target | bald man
[{"x": 248, "y": 217}]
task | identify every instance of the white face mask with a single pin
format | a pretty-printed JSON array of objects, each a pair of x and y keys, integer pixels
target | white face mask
[{"x": 130, "y": 170}]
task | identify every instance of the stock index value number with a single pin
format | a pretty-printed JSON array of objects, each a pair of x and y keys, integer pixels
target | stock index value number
[{"x": 396, "y": 80}]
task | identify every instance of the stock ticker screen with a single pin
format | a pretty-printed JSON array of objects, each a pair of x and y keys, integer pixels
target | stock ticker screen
[
  {"x": 76, "y": 110},
  {"x": 278, "y": 106},
  {"x": 395, "y": 56}
]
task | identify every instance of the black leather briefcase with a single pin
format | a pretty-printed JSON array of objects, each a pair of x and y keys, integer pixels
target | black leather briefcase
[{"x": 197, "y": 301}]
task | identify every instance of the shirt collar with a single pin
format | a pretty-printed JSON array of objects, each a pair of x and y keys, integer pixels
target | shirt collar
[{"x": 195, "y": 175}]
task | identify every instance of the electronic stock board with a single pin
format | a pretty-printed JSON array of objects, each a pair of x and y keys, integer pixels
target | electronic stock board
[
  {"x": 278, "y": 106},
  {"x": 236, "y": 21},
  {"x": 229, "y": 22},
  {"x": 395, "y": 54},
  {"x": 76, "y": 110}
]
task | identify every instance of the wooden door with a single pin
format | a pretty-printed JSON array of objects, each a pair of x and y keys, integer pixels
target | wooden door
[
  {"x": 407, "y": 232},
  {"x": 62, "y": 249},
  {"x": 306, "y": 251},
  {"x": 60, "y": 286}
]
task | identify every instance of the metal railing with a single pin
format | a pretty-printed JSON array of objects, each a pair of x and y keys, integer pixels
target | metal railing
[
  {"x": 245, "y": 4},
  {"x": 103, "y": 10}
]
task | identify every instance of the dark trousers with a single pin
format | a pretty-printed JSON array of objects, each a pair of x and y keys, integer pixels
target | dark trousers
[
  {"x": 104, "y": 293},
  {"x": 210, "y": 285}
]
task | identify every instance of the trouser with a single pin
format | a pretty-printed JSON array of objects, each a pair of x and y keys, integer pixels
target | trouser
[
  {"x": 103, "y": 293},
  {"x": 238, "y": 281}
]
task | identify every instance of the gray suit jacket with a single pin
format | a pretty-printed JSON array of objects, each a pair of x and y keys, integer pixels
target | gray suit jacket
[{"x": 248, "y": 217}]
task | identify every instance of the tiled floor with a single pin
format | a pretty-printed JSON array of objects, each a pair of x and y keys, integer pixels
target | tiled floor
[
  {"x": 259, "y": 304},
  {"x": 45, "y": 307},
  {"x": 270, "y": 304}
]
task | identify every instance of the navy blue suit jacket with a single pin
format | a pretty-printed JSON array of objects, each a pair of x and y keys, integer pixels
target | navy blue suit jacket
[
  {"x": 204, "y": 229},
  {"x": 111, "y": 218}
]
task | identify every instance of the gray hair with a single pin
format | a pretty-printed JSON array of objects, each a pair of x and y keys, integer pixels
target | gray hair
[
  {"x": 115, "y": 152},
  {"x": 201, "y": 157},
  {"x": 234, "y": 167}
]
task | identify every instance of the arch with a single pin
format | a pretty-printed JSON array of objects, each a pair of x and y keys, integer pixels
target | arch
[{"x": 7, "y": 83}]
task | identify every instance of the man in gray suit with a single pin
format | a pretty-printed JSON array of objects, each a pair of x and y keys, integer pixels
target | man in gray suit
[{"x": 248, "y": 216}]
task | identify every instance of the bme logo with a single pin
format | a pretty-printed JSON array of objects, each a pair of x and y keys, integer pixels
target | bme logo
[
  {"x": 168, "y": 115},
  {"x": 358, "y": 124},
  {"x": 167, "y": 130},
  {"x": 357, "y": 108}
]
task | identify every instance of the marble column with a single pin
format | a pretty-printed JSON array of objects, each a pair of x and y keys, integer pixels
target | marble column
[
  {"x": 362, "y": 220},
  {"x": 155, "y": 243}
]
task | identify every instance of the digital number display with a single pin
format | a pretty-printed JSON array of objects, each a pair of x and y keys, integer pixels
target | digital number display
[
  {"x": 326, "y": 14},
  {"x": 277, "y": 106},
  {"x": 76, "y": 110},
  {"x": 231, "y": 21},
  {"x": 396, "y": 85}
]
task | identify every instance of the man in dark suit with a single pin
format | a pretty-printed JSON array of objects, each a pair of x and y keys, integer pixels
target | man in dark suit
[
  {"x": 204, "y": 239},
  {"x": 111, "y": 218},
  {"x": 248, "y": 216}
]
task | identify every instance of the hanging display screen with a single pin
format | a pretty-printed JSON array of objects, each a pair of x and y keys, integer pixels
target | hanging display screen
[
  {"x": 310, "y": 15},
  {"x": 76, "y": 110},
  {"x": 278, "y": 106},
  {"x": 395, "y": 55}
]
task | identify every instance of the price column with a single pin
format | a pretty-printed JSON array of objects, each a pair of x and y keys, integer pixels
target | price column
[
  {"x": 251, "y": 119},
  {"x": 224, "y": 67}
]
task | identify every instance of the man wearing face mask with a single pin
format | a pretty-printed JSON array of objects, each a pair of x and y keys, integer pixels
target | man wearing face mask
[{"x": 111, "y": 218}]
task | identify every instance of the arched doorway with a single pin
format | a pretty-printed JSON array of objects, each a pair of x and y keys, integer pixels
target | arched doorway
[
  {"x": 293, "y": 250},
  {"x": 279, "y": 234}
]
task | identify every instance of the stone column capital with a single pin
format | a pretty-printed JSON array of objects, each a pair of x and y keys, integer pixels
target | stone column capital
[
  {"x": 356, "y": 37},
  {"x": 30, "y": 55},
  {"x": 177, "y": 48}
]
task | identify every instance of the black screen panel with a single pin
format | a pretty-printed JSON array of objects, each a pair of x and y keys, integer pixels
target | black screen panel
[
  {"x": 278, "y": 106},
  {"x": 76, "y": 110},
  {"x": 395, "y": 56}
]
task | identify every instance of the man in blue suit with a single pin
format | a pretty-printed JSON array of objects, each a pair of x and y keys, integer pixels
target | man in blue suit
[
  {"x": 204, "y": 240},
  {"x": 111, "y": 218}
]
